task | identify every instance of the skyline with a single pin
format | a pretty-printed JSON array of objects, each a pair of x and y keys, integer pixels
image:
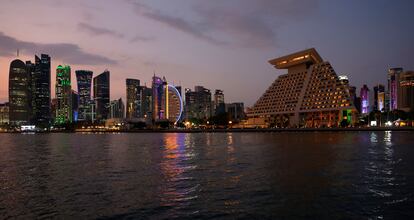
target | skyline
[{"x": 212, "y": 50}]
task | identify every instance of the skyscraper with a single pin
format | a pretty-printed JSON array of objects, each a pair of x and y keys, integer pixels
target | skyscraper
[
  {"x": 84, "y": 80},
  {"x": 117, "y": 109},
  {"x": 352, "y": 94},
  {"x": 379, "y": 97},
  {"x": 157, "y": 98},
  {"x": 64, "y": 111},
  {"x": 310, "y": 95},
  {"x": 19, "y": 93},
  {"x": 393, "y": 87},
  {"x": 4, "y": 114},
  {"x": 235, "y": 111},
  {"x": 166, "y": 101},
  {"x": 41, "y": 92},
  {"x": 146, "y": 102},
  {"x": 198, "y": 103},
  {"x": 364, "y": 94},
  {"x": 133, "y": 98},
  {"x": 406, "y": 91},
  {"x": 30, "y": 69},
  {"x": 219, "y": 106},
  {"x": 174, "y": 104},
  {"x": 101, "y": 95},
  {"x": 75, "y": 105}
]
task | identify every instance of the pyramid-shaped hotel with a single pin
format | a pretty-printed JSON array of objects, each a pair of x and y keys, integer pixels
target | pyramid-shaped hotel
[{"x": 310, "y": 95}]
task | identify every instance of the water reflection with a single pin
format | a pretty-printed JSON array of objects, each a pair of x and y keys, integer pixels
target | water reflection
[
  {"x": 373, "y": 137},
  {"x": 329, "y": 175},
  {"x": 178, "y": 188},
  {"x": 380, "y": 177},
  {"x": 387, "y": 138}
]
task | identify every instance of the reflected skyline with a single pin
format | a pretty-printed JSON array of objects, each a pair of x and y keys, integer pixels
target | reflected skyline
[{"x": 203, "y": 175}]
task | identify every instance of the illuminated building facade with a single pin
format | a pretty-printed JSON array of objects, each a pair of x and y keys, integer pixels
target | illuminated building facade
[
  {"x": 146, "y": 102},
  {"x": 174, "y": 101},
  {"x": 19, "y": 93},
  {"x": 157, "y": 98},
  {"x": 198, "y": 103},
  {"x": 344, "y": 80},
  {"x": 75, "y": 106},
  {"x": 101, "y": 91},
  {"x": 4, "y": 113},
  {"x": 117, "y": 109},
  {"x": 63, "y": 89},
  {"x": 219, "y": 105},
  {"x": 41, "y": 92},
  {"x": 309, "y": 95},
  {"x": 167, "y": 102},
  {"x": 379, "y": 97},
  {"x": 393, "y": 87},
  {"x": 84, "y": 81},
  {"x": 406, "y": 91},
  {"x": 133, "y": 98},
  {"x": 364, "y": 94}
]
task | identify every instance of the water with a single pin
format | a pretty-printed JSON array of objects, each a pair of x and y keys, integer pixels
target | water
[{"x": 338, "y": 175}]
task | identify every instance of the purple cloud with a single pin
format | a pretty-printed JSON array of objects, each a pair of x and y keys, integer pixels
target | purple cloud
[
  {"x": 70, "y": 53},
  {"x": 242, "y": 23},
  {"x": 92, "y": 30}
]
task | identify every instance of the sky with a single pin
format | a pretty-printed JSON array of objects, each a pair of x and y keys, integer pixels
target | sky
[{"x": 216, "y": 44}]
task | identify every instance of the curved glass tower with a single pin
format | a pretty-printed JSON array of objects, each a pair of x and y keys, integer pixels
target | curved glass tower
[{"x": 19, "y": 91}]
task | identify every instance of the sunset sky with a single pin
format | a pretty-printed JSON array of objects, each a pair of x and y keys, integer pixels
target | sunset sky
[{"x": 217, "y": 44}]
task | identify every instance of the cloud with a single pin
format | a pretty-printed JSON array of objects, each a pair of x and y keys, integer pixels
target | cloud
[
  {"x": 172, "y": 21},
  {"x": 242, "y": 23},
  {"x": 92, "y": 30},
  {"x": 69, "y": 53},
  {"x": 141, "y": 38}
]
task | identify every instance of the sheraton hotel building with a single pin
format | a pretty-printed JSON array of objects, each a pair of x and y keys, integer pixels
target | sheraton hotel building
[{"x": 310, "y": 95}]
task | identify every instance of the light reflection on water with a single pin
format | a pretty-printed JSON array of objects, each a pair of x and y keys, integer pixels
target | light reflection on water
[
  {"x": 175, "y": 166},
  {"x": 207, "y": 175}
]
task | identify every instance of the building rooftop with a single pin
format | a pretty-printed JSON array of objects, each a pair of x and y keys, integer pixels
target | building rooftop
[{"x": 310, "y": 56}]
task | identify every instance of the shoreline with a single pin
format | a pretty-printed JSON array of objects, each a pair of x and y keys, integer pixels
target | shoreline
[{"x": 231, "y": 130}]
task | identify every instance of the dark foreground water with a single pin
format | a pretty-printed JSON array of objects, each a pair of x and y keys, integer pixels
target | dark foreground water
[{"x": 338, "y": 175}]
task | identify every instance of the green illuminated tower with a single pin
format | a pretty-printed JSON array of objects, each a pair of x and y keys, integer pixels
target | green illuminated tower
[{"x": 63, "y": 113}]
